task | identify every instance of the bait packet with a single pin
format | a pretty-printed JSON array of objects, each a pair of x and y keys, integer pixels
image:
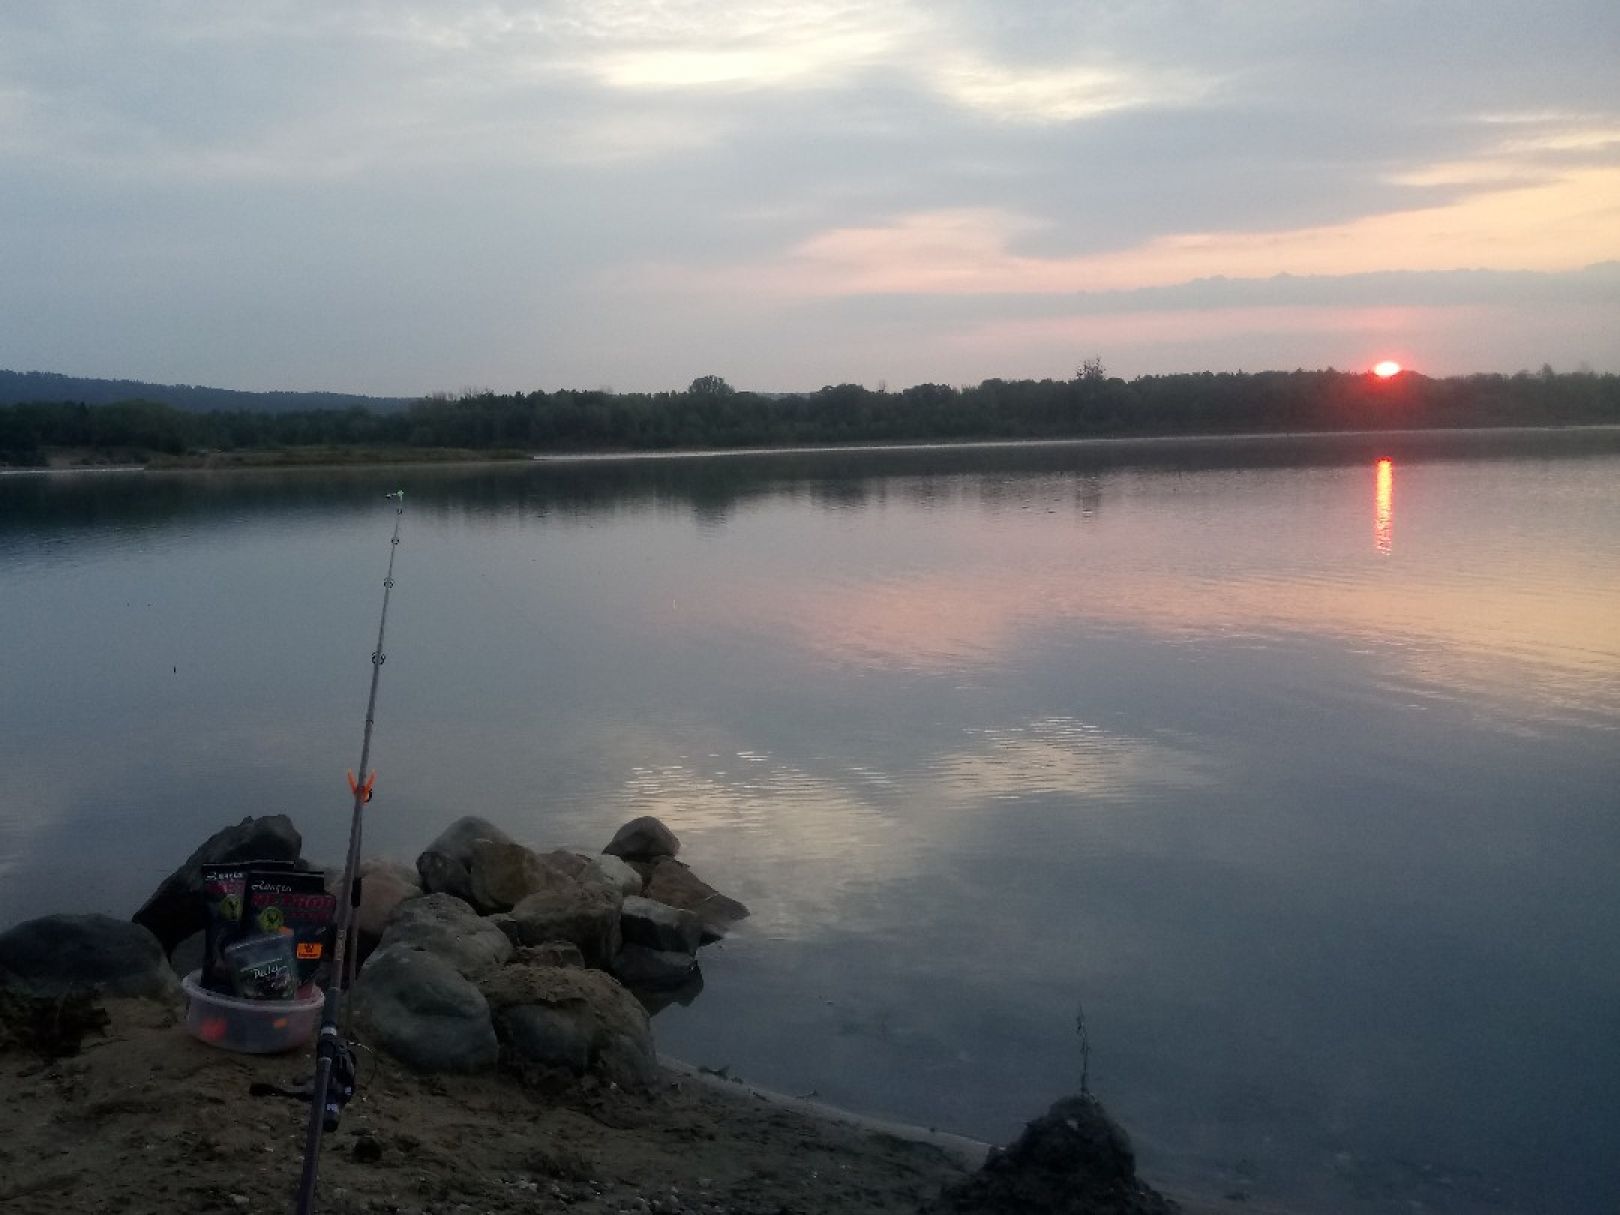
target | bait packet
[
  {"x": 293, "y": 903},
  {"x": 262, "y": 967},
  {"x": 224, "y": 891}
]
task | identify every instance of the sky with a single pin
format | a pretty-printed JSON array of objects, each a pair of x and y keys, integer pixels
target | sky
[{"x": 406, "y": 196}]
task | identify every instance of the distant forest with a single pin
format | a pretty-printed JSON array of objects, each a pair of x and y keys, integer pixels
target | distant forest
[
  {"x": 711, "y": 414},
  {"x": 21, "y": 387}
]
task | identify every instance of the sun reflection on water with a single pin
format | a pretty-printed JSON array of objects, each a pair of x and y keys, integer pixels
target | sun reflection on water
[{"x": 1384, "y": 508}]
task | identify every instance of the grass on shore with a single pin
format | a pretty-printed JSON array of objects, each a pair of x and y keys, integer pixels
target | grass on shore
[{"x": 274, "y": 457}]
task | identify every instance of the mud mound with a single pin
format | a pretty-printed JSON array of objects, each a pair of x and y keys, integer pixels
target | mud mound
[{"x": 1072, "y": 1160}]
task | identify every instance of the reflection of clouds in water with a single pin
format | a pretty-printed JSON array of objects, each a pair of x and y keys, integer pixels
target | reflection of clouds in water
[
  {"x": 796, "y": 845},
  {"x": 1060, "y": 755},
  {"x": 804, "y": 851},
  {"x": 1582, "y": 690},
  {"x": 1551, "y": 644}
]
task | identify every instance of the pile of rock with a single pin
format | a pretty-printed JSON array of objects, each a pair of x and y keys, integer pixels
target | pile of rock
[
  {"x": 504, "y": 951},
  {"x": 487, "y": 951}
]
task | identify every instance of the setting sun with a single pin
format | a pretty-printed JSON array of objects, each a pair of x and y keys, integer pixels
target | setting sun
[{"x": 1386, "y": 369}]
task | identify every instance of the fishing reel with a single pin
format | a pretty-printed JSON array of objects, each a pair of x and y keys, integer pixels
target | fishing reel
[{"x": 340, "y": 1089}]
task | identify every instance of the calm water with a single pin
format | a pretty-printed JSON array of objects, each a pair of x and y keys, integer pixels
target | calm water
[{"x": 1296, "y": 762}]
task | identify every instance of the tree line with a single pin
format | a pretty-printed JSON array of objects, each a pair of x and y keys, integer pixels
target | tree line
[
  {"x": 23, "y": 386},
  {"x": 710, "y": 413}
]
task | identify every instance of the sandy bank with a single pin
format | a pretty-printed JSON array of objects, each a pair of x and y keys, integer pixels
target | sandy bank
[{"x": 148, "y": 1120}]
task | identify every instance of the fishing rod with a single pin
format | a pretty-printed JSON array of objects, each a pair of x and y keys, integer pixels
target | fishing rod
[{"x": 334, "y": 1062}]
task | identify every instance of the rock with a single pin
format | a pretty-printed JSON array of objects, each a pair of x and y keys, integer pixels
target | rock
[
  {"x": 644, "y": 870},
  {"x": 502, "y": 874},
  {"x": 175, "y": 910},
  {"x": 52, "y": 1027},
  {"x": 65, "y": 955},
  {"x": 552, "y": 953},
  {"x": 397, "y": 872},
  {"x": 444, "y": 866},
  {"x": 643, "y": 839},
  {"x": 654, "y": 969},
  {"x": 443, "y": 925},
  {"x": 550, "y": 1037},
  {"x": 659, "y": 926},
  {"x": 420, "y": 1009},
  {"x": 586, "y": 913},
  {"x": 1073, "y": 1160},
  {"x": 556, "y": 1017},
  {"x": 188, "y": 955},
  {"x": 673, "y": 883},
  {"x": 580, "y": 866},
  {"x": 384, "y": 885},
  {"x": 620, "y": 873}
]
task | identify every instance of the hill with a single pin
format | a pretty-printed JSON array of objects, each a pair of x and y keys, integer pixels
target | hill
[{"x": 20, "y": 387}]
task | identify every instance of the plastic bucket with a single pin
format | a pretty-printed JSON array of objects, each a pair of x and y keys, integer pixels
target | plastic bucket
[{"x": 251, "y": 1027}]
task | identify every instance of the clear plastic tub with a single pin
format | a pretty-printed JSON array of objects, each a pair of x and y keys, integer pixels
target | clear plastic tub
[{"x": 251, "y": 1027}]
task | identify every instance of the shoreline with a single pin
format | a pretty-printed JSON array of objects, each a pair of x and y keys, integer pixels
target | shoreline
[
  {"x": 967, "y": 1151},
  {"x": 147, "y": 1119},
  {"x": 1086, "y": 441},
  {"x": 469, "y": 458}
]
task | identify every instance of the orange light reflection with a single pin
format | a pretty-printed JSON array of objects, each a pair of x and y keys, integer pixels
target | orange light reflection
[{"x": 1384, "y": 509}]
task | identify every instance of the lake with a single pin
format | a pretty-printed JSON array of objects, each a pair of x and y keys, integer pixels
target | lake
[{"x": 1293, "y": 760}]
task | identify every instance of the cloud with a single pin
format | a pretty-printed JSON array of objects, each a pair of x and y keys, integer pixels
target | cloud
[
  {"x": 1539, "y": 146},
  {"x": 1093, "y": 331},
  {"x": 1566, "y": 222},
  {"x": 636, "y": 178},
  {"x": 1068, "y": 94},
  {"x": 822, "y": 44},
  {"x": 765, "y": 46}
]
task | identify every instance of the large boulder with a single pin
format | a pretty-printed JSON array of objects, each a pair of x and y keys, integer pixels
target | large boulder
[
  {"x": 673, "y": 883},
  {"x": 502, "y": 874},
  {"x": 384, "y": 885},
  {"x": 1072, "y": 1160},
  {"x": 643, "y": 839},
  {"x": 552, "y": 1017},
  {"x": 552, "y": 953},
  {"x": 175, "y": 910},
  {"x": 659, "y": 926},
  {"x": 71, "y": 955},
  {"x": 443, "y": 925},
  {"x": 584, "y": 912},
  {"x": 580, "y": 866},
  {"x": 620, "y": 873},
  {"x": 445, "y": 865},
  {"x": 421, "y": 1010},
  {"x": 539, "y": 1035},
  {"x": 190, "y": 954}
]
